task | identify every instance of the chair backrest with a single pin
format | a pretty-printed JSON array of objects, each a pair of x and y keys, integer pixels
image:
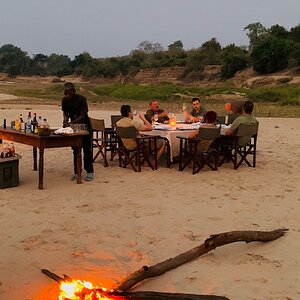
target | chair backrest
[
  {"x": 232, "y": 117},
  {"x": 245, "y": 132},
  {"x": 127, "y": 132},
  {"x": 114, "y": 119},
  {"x": 247, "y": 129},
  {"x": 220, "y": 119},
  {"x": 97, "y": 124},
  {"x": 208, "y": 134}
]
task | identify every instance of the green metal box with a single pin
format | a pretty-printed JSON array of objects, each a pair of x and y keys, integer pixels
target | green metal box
[{"x": 9, "y": 172}]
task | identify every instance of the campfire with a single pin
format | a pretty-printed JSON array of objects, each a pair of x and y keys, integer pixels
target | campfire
[
  {"x": 71, "y": 289},
  {"x": 81, "y": 290}
]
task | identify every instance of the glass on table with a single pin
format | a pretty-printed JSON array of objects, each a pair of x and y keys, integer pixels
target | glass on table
[
  {"x": 83, "y": 127},
  {"x": 76, "y": 127}
]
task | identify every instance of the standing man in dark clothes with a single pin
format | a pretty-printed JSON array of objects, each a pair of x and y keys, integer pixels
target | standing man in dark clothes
[{"x": 75, "y": 110}]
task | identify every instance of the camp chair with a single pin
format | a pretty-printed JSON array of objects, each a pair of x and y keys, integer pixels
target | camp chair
[
  {"x": 199, "y": 151},
  {"x": 239, "y": 147},
  {"x": 232, "y": 117},
  {"x": 245, "y": 144},
  {"x": 114, "y": 119},
  {"x": 146, "y": 147},
  {"x": 220, "y": 119},
  {"x": 104, "y": 139}
]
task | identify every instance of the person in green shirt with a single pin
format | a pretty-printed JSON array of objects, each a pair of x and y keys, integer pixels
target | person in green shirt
[
  {"x": 246, "y": 118},
  {"x": 198, "y": 112}
]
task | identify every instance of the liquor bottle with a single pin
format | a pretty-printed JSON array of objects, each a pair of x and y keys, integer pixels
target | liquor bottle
[
  {"x": 28, "y": 123},
  {"x": 34, "y": 128},
  {"x": 17, "y": 124},
  {"x": 40, "y": 121},
  {"x": 22, "y": 124}
]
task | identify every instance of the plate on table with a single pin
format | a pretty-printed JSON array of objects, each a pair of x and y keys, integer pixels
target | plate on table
[{"x": 162, "y": 127}]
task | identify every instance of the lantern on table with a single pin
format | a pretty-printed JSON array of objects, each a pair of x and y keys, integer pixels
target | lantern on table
[{"x": 172, "y": 120}]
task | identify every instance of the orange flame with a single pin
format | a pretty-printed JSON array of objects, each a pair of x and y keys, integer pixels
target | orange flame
[{"x": 81, "y": 290}]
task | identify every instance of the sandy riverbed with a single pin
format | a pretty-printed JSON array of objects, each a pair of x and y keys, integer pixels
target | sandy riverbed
[{"x": 103, "y": 230}]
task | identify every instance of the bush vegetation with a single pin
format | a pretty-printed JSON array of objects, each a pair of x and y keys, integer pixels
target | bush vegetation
[{"x": 270, "y": 49}]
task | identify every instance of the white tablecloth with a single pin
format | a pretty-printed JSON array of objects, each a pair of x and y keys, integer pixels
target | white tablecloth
[{"x": 184, "y": 130}]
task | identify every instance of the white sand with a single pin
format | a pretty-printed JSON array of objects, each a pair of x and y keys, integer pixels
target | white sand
[{"x": 103, "y": 230}]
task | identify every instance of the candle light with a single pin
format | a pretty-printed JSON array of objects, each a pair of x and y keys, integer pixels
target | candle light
[{"x": 172, "y": 120}]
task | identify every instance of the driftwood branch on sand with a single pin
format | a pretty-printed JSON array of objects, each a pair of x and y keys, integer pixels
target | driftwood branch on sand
[
  {"x": 144, "y": 295},
  {"x": 214, "y": 241}
]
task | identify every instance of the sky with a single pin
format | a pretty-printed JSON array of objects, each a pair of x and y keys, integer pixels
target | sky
[{"x": 106, "y": 28}]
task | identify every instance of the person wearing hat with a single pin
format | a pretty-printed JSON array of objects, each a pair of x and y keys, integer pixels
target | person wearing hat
[
  {"x": 198, "y": 112},
  {"x": 75, "y": 111}
]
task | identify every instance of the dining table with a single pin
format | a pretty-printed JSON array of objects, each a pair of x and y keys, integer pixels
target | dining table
[
  {"x": 180, "y": 129},
  {"x": 44, "y": 142}
]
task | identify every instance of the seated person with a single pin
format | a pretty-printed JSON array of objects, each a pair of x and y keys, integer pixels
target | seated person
[
  {"x": 128, "y": 121},
  {"x": 211, "y": 117},
  {"x": 246, "y": 118},
  {"x": 197, "y": 114},
  {"x": 237, "y": 107},
  {"x": 156, "y": 114}
]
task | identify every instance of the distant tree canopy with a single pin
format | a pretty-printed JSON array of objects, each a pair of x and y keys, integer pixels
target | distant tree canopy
[
  {"x": 13, "y": 60},
  {"x": 273, "y": 49},
  {"x": 270, "y": 50}
]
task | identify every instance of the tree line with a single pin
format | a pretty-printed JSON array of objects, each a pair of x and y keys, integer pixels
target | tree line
[{"x": 270, "y": 50}]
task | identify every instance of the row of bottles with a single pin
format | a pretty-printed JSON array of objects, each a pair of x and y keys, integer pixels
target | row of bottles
[{"x": 31, "y": 125}]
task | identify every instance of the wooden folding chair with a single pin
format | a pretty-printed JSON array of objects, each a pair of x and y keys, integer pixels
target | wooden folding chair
[
  {"x": 191, "y": 152},
  {"x": 114, "y": 119},
  {"x": 232, "y": 117},
  {"x": 220, "y": 119},
  {"x": 146, "y": 147},
  {"x": 245, "y": 145},
  {"x": 99, "y": 139},
  {"x": 237, "y": 148}
]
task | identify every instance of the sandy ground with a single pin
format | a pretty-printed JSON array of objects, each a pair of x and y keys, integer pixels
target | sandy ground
[{"x": 103, "y": 230}]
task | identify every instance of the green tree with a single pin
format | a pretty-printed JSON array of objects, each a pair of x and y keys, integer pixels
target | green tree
[
  {"x": 13, "y": 60},
  {"x": 294, "y": 36},
  {"x": 81, "y": 61},
  {"x": 270, "y": 55},
  {"x": 37, "y": 65},
  {"x": 175, "y": 56},
  {"x": 255, "y": 32},
  {"x": 235, "y": 59},
  {"x": 150, "y": 48},
  {"x": 211, "y": 51},
  {"x": 59, "y": 65}
]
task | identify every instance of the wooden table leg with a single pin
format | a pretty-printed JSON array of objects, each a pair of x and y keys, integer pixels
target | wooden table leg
[
  {"x": 34, "y": 158},
  {"x": 79, "y": 165},
  {"x": 155, "y": 154},
  {"x": 41, "y": 168}
]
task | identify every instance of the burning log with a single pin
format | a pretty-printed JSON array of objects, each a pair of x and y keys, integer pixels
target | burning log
[
  {"x": 85, "y": 291},
  {"x": 214, "y": 241},
  {"x": 102, "y": 294}
]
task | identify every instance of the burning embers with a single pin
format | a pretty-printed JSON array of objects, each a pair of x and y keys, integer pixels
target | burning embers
[{"x": 81, "y": 290}]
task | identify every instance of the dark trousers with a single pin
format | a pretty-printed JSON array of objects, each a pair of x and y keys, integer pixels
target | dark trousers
[{"x": 87, "y": 147}]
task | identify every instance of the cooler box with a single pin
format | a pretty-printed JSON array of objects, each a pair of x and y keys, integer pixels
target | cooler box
[{"x": 9, "y": 171}]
